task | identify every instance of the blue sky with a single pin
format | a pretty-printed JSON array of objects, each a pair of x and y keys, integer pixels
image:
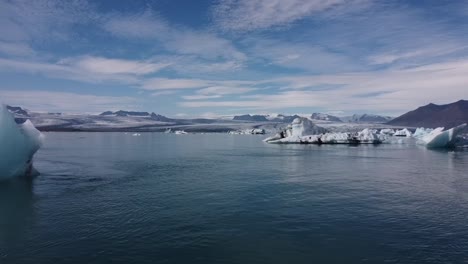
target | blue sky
[{"x": 225, "y": 57}]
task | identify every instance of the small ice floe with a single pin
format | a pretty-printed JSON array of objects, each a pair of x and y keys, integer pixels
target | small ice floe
[
  {"x": 136, "y": 134},
  {"x": 180, "y": 132}
]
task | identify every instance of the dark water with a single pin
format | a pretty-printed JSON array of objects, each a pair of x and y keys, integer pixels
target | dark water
[{"x": 158, "y": 198}]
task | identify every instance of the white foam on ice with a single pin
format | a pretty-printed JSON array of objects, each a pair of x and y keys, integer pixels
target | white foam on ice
[{"x": 19, "y": 142}]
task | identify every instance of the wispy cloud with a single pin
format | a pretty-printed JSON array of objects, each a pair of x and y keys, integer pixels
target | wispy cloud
[
  {"x": 66, "y": 102},
  {"x": 15, "y": 49},
  {"x": 102, "y": 65},
  {"x": 149, "y": 26},
  {"x": 23, "y": 20},
  {"x": 245, "y": 15},
  {"x": 394, "y": 91},
  {"x": 86, "y": 68}
]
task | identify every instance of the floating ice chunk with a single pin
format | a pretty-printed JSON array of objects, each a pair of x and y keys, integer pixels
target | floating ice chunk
[
  {"x": 366, "y": 136},
  {"x": 294, "y": 132},
  {"x": 387, "y": 131},
  {"x": 180, "y": 132},
  {"x": 403, "y": 133},
  {"x": 302, "y": 126},
  {"x": 442, "y": 139},
  {"x": 136, "y": 134},
  {"x": 422, "y": 132},
  {"x": 18, "y": 144}
]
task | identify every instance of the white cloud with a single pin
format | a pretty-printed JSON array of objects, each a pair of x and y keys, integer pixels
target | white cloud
[
  {"x": 246, "y": 15},
  {"x": 15, "y": 49},
  {"x": 165, "y": 92},
  {"x": 66, "y": 102},
  {"x": 144, "y": 25},
  {"x": 22, "y": 20},
  {"x": 114, "y": 66},
  {"x": 224, "y": 90},
  {"x": 148, "y": 26},
  {"x": 165, "y": 83},
  {"x": 300, "y": 55},
  {"x": 387, "y": 92},
  {"x": 201, "y": 97},
  {"x": 86, "y": 68}
]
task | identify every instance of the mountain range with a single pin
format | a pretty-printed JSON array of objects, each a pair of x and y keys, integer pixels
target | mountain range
[{"x": 428, "y": 116}]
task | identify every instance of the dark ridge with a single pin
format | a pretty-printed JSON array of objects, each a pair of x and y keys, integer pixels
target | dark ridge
[
  {"x": 256, "y": 118},
  {"x": 17, "y": 110},
  {"x": 432, "y": 115}
]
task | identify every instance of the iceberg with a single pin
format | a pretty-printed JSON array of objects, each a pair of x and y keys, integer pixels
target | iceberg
[
  {"x": 403, "y": 133},
  {"x": 19, "y": 142},
  {"x": 387, "y": 131},
  {"x": 438, "y": 138},
  {"x": 299, "y": 128},
  {"x": 422, "y": 132},
  {"x": 303, "y": 131}
]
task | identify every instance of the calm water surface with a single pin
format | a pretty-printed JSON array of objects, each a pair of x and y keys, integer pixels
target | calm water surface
[{"x": 162, "y": 198}]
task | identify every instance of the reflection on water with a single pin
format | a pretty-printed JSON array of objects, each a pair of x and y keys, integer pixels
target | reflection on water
[{"x": 16, "y": 208}]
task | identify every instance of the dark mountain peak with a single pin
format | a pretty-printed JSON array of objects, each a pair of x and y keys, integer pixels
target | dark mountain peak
[
  {"x": 125, "y": 113},
  {"x": 161, "y": 118},
  {"x": 17, "y": 110},
  {"x": 257, "y": 118},
  {"x": 107, "y": 113},
  {"x": 432, "y": 115}
]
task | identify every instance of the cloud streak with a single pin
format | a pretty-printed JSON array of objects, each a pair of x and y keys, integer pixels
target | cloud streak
[{"x": 66, "y": 102}]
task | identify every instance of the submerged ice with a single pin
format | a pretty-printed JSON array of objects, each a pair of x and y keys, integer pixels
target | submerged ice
[{"x": 19, "y": 142}]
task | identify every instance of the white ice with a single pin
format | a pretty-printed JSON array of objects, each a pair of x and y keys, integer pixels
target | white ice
[
  {"x": 422, "y": 132},
  {"x": 403, "y": 133},
  {"x": 303, "y": 130},
  {"x": 439, "y": 138},
  {"x": 18, "y": 145}
]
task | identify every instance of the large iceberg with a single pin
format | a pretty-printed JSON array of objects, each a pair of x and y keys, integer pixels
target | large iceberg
[
  {"x": 422, "y": 132},
  {"x": 19, "y": 142},
  {"x": 438, "y": 138},
  {"x": 303, "y": 131}
]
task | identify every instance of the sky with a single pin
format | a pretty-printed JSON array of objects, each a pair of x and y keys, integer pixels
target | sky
[{"x": 207, "y": 58}]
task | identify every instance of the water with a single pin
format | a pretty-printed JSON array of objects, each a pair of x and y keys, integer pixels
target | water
[{"x": 162, "y": 198}]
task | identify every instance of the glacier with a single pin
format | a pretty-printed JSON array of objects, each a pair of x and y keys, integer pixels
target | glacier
[{"x": 19, "y": 143}]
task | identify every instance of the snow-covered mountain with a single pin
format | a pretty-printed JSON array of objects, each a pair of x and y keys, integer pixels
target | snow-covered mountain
[
  {"x": 366, "y": 118},
  {"x": 252, "y": 118},
  {"x": 280, "y": 118},
  {"x": 325, "y": 117}
]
